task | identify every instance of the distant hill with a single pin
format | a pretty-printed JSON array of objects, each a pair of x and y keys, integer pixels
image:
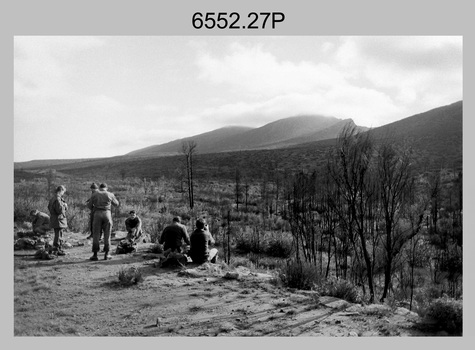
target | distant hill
[
  {"x": 272, "y": 135},
  {"x": 435, "y": 136},
  {"x": 39, "y": 163},
  {"x": 328, "y": 133},
  {"x": 206, "y": 143}
]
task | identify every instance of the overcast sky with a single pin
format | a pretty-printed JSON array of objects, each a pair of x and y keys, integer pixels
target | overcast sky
[{"x": 82, "y": 97}]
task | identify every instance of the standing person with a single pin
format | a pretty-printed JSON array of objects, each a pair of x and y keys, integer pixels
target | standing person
[
  {"x": 102, "y": 202},
  {"x": 133, "y": 225},
  {"x": 40, "y": 222},
  {"x": 200, "y": 239},
  {"x": 58, "y": 222},
  {"x": 173, "y": 235},
  {"x": 94, "y": 189}
]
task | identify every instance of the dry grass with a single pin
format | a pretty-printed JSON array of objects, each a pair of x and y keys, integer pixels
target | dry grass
[{"x": 130, "y": 275}]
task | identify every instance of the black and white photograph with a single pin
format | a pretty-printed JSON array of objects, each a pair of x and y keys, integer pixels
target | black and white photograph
[
  {"x": 264, "y": 186},
  {"x": 232, "y": 174}
]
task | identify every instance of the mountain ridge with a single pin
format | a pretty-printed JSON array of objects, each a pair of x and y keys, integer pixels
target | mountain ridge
[
  {"x": 244, "y": 138},
  {"x": 435, "y": 135}
]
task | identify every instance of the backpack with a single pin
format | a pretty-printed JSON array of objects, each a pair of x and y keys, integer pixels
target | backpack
[{"x": 125, "y": 247}]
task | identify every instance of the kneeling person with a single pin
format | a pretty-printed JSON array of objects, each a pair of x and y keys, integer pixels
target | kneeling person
[
  {"x": 41, "y": 222},
  {"x": 133, "y": 225},
  {"x": 200, "y": 240}
]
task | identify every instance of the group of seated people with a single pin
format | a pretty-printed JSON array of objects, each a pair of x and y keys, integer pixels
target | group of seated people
[
  {"x": 199, "y": 241},
  {"x": 174, "y": 237}
]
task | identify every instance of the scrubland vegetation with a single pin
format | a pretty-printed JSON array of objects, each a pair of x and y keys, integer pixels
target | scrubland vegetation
[{"x": 366, "y": 227}]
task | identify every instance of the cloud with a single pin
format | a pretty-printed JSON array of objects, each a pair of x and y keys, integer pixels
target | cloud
[
  {"x": 160, "y": 109},
  {"x": 415, "y": 68},
  {"x": 68, "y": 91},
  {"x": 366, "y": 107},
  {"x": 374, "y": 80},
  {"x": 254, "y": 71},
  {"x": 41, "y": 67}
]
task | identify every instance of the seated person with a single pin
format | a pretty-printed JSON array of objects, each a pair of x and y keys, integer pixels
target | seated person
[
  {"x": 133, "y": 225},
  {"x": 40, "y": 222},
  {"x": 173, "y": 235},
  {"x": 200, "y": 240}
]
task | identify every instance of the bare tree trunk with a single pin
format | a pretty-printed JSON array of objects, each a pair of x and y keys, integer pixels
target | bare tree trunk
[
  {"x": 188, "y": 150},
  {"x": 229, "y": 238}
]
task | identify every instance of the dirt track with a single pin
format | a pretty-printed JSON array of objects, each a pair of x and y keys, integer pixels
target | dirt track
[{"x": 72, "y": 295}]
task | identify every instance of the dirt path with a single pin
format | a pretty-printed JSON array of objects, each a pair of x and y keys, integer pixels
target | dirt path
[{"x": 72, "y": 295}]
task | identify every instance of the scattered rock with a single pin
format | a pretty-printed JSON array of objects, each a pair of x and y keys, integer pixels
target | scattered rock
[
  {"x": 43, "y": 255},
  {"x": 357, "y": 308},
  {"x": 24, "y": 243},
  {"x": 231, "y": 275},
  {"x": 189, "y": 273},
  {"x": 243, "y": 270},
  {"x": 227, "y": 327},
  {"x": 333, "y": 302},
  {"x": 405, "y": 312},
  {"x": 377, "y": 309},
  {"x": 151, "y": 256},
  {"x": 346, "y": 314},
  {"x": 67, "y": 245}
]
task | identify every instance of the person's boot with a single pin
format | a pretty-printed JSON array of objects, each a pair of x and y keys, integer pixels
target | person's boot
[
  {"x": 60, "y": 252},
  {"x": 107, "y": 256},
  {"x": 94, "y": 257}
]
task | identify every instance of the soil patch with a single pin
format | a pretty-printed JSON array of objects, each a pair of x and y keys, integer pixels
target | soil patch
[{"x": 71, "y": 295}]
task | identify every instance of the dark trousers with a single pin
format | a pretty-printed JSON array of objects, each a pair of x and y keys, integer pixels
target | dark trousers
[
  {"x": 91, "y": 222},
  {"x": 102, "y": 222},
  {"x": 58, "y": 237}
]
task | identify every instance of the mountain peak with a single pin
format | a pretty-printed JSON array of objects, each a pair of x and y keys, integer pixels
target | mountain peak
[{"x": 233, "y": 137}]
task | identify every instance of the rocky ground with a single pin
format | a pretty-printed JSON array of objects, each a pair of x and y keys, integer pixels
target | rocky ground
[{"x": 73, "y": 296}]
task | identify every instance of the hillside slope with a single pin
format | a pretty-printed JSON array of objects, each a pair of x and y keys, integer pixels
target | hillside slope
[
  {"x": 244, "y": 138},
  {"x": 206, "y": 143},
  {"x": 435, "y": 136},
  {"x": 328, "y": 133}
]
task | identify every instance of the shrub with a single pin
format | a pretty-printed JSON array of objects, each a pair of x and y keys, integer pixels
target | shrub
[
  {"x": 279, "y": 248},
  {"x": 241, "y": 261},
  {"x": 342, "y": 289},
  {"x": 300, "y": 275},
  {"x": 447, "y": 313},
  {"x": 78, "y": 219},
  {"x": 130, "y": 275},
  {"x": 156, "y": 248},
  {"x": 246, "y": 245}
]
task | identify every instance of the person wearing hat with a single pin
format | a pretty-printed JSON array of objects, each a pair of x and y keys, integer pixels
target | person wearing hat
[
  {"x": 58, "y": 222},
  {"x": 102, "y": 202},
  {"x": 173, "y": 235},
  {"x": 200, "y": 239},
  {"x": 133, "y": 225},
  {"x": 94, "y": 188},
  {"x": 40, "y": 222}
]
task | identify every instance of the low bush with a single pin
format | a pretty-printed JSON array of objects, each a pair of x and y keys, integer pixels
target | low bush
[
  {"x": 447, "y": 313},
  {"x": 279, "y": 248},
  {"x": 130, "y": 275},
  {"x": 246, "y": 245},
  {"x": 156, "y": 248},
  {"x": 237, "y": 261},
  {"x": 300, "y": 275},
  {"x": 342, "y": 289}
]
